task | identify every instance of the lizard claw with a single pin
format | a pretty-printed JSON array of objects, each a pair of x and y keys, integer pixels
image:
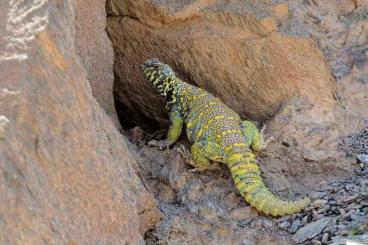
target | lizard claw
[
  {"x": 161, "y": 144},
  {"x": 268, "y": 141},
  {"x": 185, "y": 154}
]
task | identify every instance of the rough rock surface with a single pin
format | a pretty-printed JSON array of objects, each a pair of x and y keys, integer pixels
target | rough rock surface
[
  {"x": 66, "y": 175},
  {"x": 202, "y": 208},
  {"x": 222, "y": 47},
  {"x": 304, "y": 157},
  {"x": 205, "y": 207},
  {"x": 95, "y": 51}
]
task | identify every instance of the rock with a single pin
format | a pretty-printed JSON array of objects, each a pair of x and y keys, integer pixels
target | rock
[
  {"x": 136, "y": 135},
  {"x": 363, "y": 158},
  {"x": 351, "y": 198},
  {"x": 311, "y": 230},
  {"x": 318, "y": 195},
  {"x": 325, "y": 237},
  {"x": 359, "y": 239},
  {"x": 294, "y": 226},
  {"x": 346, "y": 6},
  {"x": 243, "y": 213},
  {"x": 270, "y": 24},
  {"x": 284, "y": 225},
  {"x": 67, "y": 175},
  {"x": 95, "y": 51},
  {"x": 201, "y": 41},
  {"x": 319, "y": 203},
  {"x": 281, "y": 11}
]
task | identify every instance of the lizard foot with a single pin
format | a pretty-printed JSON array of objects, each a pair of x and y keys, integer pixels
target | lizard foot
[
  {"x": 161, "y": 144},
  {"x": 185, "y": 154},
  {"x": 268, "y": 141}
]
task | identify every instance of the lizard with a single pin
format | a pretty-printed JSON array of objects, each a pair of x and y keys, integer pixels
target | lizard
[{"x": 217, "y": 134}]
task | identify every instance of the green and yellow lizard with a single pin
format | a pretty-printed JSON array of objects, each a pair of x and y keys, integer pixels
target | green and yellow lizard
[{"x": 217, "y": 134}]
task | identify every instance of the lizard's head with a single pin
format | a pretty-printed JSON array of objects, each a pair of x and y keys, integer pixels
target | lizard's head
[{"x": 162, "y": 77}]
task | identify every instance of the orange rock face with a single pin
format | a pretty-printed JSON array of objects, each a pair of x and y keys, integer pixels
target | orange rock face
[
  {"x": 224, "y": 50},
  {"x": 66, "y": 175},
  {"x": 95, "y": 51}
]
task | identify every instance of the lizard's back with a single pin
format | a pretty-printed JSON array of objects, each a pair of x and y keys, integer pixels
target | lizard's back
[
  {"x": 207, "y": 117},
  {"x": 216, "y": 133}
]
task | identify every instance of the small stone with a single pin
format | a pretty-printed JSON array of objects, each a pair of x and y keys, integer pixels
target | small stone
[
  {"x": 323, "y": 210},
  {"x": 305, "y": 220},
  {"x": 318, "y": 195},
  {"x": 243, "y": 213},
  {"x": 351, "y": 198},
  {"x": 319, "y": 202},
  {"x": 359, "y": 239},
  {"x": 316, "y": 242},
  {"x": 294, "y": 226},
  {"x": 311, "y": 230},
  {"x": 284, "y": 225},
  {"x": 363, "y": 158},
  {"x": 281, "y": 11},
  {"x": 283, "y": 218},
  {"x": 315, "y": 214},
  {"x": 269, "y": 23},
  {"x": 136, "y": 134},
  {"x": 325, "y": 237}
]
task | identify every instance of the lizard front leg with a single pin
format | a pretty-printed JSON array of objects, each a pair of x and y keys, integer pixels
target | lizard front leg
[{"x": 176, "y": 125}]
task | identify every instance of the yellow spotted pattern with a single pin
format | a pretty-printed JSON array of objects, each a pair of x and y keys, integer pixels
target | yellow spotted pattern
[{"x": 217, "y": 134}]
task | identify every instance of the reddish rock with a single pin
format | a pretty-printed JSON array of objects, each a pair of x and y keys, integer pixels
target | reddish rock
[
  {"x": 95, "y": 51},
  {"x": 225, "y": 50},
  {"x": 66, "y": 175}
]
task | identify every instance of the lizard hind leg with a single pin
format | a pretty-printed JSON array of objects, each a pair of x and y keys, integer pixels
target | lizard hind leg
[
  {"x": 203, "y": 152},
  {"x": 255, "y": 138}
]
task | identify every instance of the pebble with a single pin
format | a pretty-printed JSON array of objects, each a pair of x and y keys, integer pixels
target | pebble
[
  {"x": 305, "y": 220},
  {"x": 318, "y": 195},
  {"x": 315, "y": 214},
  {"x": 284, "y": 225},
  {"x": 351, "y": 198},
  {"x": 316, "y": 242},
  {"x": 325, "y": 237},
  {"x": 311, "y": 230},
  {"x": 363, "y": 158},
  {"x": 319, "y": 203},
  {"x": 294, "y": 226}
]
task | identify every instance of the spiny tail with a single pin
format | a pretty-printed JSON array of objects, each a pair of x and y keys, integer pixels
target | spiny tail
[{"x": 248, "y": 181}]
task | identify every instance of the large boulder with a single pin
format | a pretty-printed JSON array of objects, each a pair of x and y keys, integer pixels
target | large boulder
[
  {"x": 228, "y": 49},
  {"x": 95, "y": 51},
  {"x": 66, "y": 174}
]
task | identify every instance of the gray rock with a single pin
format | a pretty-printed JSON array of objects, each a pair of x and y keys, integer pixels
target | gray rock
[
  {"x": 284, "y": 225},
  {"x": 311, "y": 230},
  {"x": 325, "y": 238},
  {"x": 360, "y": 239},
  {"x": 319, "y": 203},
  {"x": 294, "y": 226},
  {"x": 318, "y": 195},
  {"x": 363, "y": 158}
]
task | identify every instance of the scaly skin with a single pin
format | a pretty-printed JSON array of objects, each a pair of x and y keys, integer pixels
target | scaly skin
[{"x": 217, "y": 134}]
